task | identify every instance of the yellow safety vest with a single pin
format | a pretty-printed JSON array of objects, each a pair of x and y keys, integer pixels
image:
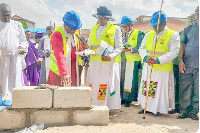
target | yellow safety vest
[
  {"x": 133, "y": 39},
  {"x": 107, "y": 36},
  {"x": 53, "y": 61},
  {"x": 161, "y": 49}
]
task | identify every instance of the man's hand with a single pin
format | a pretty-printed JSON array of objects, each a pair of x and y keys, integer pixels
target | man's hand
[
  {"x": 39, "y": 61},
  {"x": 106, "y": 58},
  {"x": 151, "y": 60},
  {"x": 48, "y": 54},
  {"x": 65, "y": 80},
  {"x": 182, "y": 66},
  {"x": 85, "y": 45},
  {"x": 21, "y": 51},
  {"x": 126, "y": 50}
]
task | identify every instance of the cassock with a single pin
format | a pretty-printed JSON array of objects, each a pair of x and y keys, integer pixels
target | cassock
[
  {"x": 106, "y": 73},
  {"x": 12, "y": 37}
]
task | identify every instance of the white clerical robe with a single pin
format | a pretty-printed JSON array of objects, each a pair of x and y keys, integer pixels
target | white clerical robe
[
  {"x": 164, "y": 91},
  {"x": 12, "y": 36},
  {"x": 106, "y": 73}
]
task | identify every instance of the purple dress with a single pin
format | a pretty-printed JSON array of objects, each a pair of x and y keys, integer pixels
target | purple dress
[{"x": 32, "y": 70}]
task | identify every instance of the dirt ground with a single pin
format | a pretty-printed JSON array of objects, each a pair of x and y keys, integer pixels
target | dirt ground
[{"x": 128, "y": 121}]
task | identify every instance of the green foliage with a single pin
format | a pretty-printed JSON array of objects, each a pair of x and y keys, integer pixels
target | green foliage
[{"x": 25, "y": 25}]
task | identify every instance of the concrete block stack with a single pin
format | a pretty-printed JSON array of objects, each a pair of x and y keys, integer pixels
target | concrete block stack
[{"x": 58, "y": 107}]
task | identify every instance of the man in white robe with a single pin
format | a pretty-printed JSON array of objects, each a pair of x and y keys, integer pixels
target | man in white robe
[
  {"x": 161, "y": 92},
  {"x": 104, "y": 71},
  {"x": 13, "y": 46},
  {"x": 44, "y": 49}
]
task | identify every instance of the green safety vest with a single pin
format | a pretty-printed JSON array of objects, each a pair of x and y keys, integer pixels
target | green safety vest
[
  {"x": 107, "y": 36},
  {"x": 161, "y": 49},
  {"x": 53, "y": 61},
  {"x": 133, "y": 39}
]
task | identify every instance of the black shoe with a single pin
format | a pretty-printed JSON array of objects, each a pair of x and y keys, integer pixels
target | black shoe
[
  {"x": 141, "y": 112},
  {"x": 126, "y": 104},
  {"x": 182, "y": 116},
  {"x": 194, "y": 116},
  {"x": 123, "y": 102},
  {"x": 177, "y": 110},
  {"x": 158, "y": 114},
  {"x": 174, "y": 111},
  {"x": 171, "y": 111}
]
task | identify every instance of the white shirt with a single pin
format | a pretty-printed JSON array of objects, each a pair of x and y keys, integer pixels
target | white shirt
[
  {"x": 173, "y": 46},
  {"x": 12, "y": 36},
  {"x": 117, "y": 39}
]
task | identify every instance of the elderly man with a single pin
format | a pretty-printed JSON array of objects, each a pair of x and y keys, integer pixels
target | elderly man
[
  {"x": 63, "y": 60},
  {"x": 13, "y": 46},
  {"x": 104, "y": 73},
  {"x": 189, "y": 68},
  {"x": 161, "y": 88},
  {"x": 132, "y": 41},
  {"x": 44, "y": 49}
]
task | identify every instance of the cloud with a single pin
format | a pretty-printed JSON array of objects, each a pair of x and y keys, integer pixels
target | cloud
[{"x": 43, "y": 11}]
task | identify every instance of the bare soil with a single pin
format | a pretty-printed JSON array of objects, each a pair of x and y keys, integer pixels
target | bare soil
[{"x": 127, "y": 120}]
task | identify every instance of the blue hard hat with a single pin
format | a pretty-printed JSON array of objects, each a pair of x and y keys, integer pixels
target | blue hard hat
[
  {"x": 155, "y": 16},
  {"x": 72, "y": 20},
  {"x": 126, "y": 20}
]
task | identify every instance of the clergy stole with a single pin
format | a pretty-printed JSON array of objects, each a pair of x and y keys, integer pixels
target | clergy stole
[
  {"x": 129, "y": 76},
  {"x": 47, "y": 47},
  {"x": 105, "y": 71}
]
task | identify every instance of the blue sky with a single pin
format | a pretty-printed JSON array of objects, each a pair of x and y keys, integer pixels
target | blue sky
[{"x": 43, "y": 11}]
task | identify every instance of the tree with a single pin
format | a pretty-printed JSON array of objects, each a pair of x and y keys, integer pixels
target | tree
[{"x": 25, "y": 25}]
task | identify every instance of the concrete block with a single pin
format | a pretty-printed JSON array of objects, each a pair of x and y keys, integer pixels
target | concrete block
[
  {"x": 50, "y": 118},
  {"x": 98, "y": 116},
  {"x": 28, "y": 97},
  {"x": 68, "y": 97},
  {"x": 12, "y": 120}
]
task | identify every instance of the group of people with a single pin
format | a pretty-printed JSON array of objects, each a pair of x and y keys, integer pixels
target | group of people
[{"x": 126, "y": 64}]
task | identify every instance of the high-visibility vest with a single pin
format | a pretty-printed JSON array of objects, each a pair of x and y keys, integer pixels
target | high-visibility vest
[
  {"x": 107, "y": 36},
  {"x": 133, "y": 39},
  {"x": 53, "y": 61},
  {"x": 161, "y": 49}
]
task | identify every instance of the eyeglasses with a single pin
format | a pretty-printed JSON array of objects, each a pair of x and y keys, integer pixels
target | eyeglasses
[{"x": 6, "y": 14}]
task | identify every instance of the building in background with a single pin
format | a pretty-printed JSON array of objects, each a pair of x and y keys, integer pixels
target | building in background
[
  {"x": 178, "y": 24},
  {"x": 29, "y": 23}
]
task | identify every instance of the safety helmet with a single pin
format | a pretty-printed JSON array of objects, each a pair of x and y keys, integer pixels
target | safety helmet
[
  {"x": 155, "y": 16},
  {"x": 126, "y": 20},
  {"x": 72, "y": 20}
]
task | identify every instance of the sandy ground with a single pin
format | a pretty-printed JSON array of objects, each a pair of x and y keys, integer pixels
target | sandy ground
[{"x": 128, "y": 121}]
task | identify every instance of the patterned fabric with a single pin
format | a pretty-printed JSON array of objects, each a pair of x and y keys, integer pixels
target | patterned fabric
[
  {"x": 152, "y": 88},
  {"x": 102, "y": 92},
  {"x": 144, "y": 84}
]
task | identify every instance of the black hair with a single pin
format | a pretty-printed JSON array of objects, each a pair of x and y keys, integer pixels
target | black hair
[
  {"x": 49, "y": 28},
  {"x": 27, "y": 31},
  {"x": 36, "y": 36}
]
